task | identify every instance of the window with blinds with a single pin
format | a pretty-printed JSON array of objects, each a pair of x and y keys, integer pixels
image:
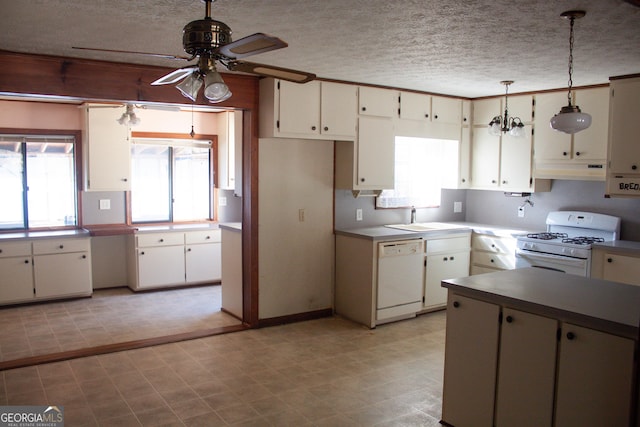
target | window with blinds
[{"x": 38, "y": 181}]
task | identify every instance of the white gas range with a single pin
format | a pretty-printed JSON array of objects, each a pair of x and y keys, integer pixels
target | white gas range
[{"x": 566, "y": 245}]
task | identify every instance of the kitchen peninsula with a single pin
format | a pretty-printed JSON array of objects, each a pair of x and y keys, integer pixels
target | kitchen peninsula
[{"x": 538, "y": 347}]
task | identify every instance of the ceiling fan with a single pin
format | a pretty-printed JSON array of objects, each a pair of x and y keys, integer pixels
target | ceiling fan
[{"x": 209, "y": 41}]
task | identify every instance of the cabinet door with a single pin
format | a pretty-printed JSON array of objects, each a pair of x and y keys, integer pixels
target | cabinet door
[
  {"x": 591, "y": 143},
  {"x": 377, "y": 102},
  {"x": 299, "y": 108},
  {"x": 16, "y": 280},
  {"x": 438, "y": 268},
  {"x": 446, "y": 110},
  {"x": 484, "y": 110},
  {"x": 470, "y": 362},
  {"x": 595, "y": 375},
  {"x": 160, "y": 266},
  {"x": 623, "y": 269},
  {"x": 108, "y": 150},
  {"x": 62, "y": 274},
  {"x": 203, "y": 263},
  {"x": 339, "y": 108},
  {"x": 375, "y": 153},
  {"x": 515, "y": 161},
  {"x": 549, "y": 143},
  {"x": 464, "y": 165},
  {"x": 415, "y": 106},
  {"x": 526, "y": 376},
  {"x": 485, "y": 159},
  {"x": 624, "y": 126}
]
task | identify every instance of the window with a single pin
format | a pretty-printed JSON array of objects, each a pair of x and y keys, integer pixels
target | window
[
  {"x": 171, "y": 181},
  {"x": 423, "y": 166},
  {"x": 38, "y": 183}
]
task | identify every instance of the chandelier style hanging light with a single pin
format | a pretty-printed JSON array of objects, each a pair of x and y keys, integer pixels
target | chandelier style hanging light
[
  {"x": 571, "y": 119},
  {"x": 129, "y": 118},
  {"x": 504, "y": 124}
]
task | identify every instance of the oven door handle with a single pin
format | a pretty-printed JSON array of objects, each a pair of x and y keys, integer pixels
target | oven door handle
[{"x": 549, "y": 257}]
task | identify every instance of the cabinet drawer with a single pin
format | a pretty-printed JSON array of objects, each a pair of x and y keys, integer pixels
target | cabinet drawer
[
  {"x": 160, "y": 239},
  {"x": 60, "y": 246},
  {"x": 10, "y": 249},
  {"x": 504, "y": 262},
  {"x": 502, "y": 245},
  {"x": 452, "y": 244},
  {"x": 209, "y": 236}
]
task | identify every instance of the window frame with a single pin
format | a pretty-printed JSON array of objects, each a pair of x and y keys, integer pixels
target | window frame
[
  {"x": 77, "y": 159},
  {"x": 213, "y": 172}
]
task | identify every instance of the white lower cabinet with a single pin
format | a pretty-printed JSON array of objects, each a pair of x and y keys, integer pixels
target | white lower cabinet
[
  {"x": 506, "y": 367},
  {"x": 491, "y": 253},
  {"x": 174, "y": 258},
  {"x": 16, "y": 280},
  {"x": 445, "y": 259}
]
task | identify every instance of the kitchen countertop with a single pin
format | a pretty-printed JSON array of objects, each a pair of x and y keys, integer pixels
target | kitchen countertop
[
  {"x": 621, "y": 246},
  {"x": 593, "y": 303},
  {"x": 387, "y": 233},
  {"x": 231, "y": 226},
  {"x": 45, "y": 234}
]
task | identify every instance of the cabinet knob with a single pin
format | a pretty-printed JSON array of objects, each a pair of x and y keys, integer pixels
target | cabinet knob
[
  {"x": 427, "y": 116},
  {"x": 571, "y": 336},
  {"x": 207, "y": 238},
  {"x": 493, "y": 245},
  {"x": 509, "y": 319},
  {"x": 492, "y": 260},
  {"x": 464, "y": 119},
  {"x": 456, "y": 304},
  {"x": 577, "y": 153},
  {"x": 125, "y": 179},
  {"x": 84, "y": 257},
  {"x": 361, "y": 179},
  {"x": 564, "y": 153},
  {"x": 450, "y": 258},
  {"x": 464, "y": 180},
  {"x": 493, "y": 181},
  {"x": 61, "y": 246},
  {"x": 313, "y": 128},
  {"x": 364, "y": 108},
  {"x": 188, "y": 249},
  {"x": 609, "y": 259},
  {"x": 26, "y": 261},
  {"x": 435, "y": 117},
  {"x": 0, "y": 251},
  {"x": 161, "y": 240},
  {"x": 634, "y": 167},
  {"x": 504, "y": 181},
  {"x": 326, "y": 128},
  {"x": 445, "y": 259},
  {"x": 142, "y": 253}
]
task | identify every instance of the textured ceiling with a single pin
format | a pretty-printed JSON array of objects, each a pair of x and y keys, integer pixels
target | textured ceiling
[{"x": 462, "y": 47}]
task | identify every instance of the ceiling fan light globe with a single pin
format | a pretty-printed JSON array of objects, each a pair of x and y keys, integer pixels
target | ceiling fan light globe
[
  {"x": 570, "y": 122},
  {"x": 494, "y": 128},
  {"x": 215, "y": 89}
]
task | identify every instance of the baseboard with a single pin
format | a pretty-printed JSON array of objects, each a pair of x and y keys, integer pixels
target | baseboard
[{"x": 292, "y": 318}]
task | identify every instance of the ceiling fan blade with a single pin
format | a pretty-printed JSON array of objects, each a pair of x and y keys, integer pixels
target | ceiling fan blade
[
  {"x": 271, "y": 71},
  {"x": 251, "y": 45},
  {"x": 159, "y": 55},
  {"x": 175, "y": 75}
]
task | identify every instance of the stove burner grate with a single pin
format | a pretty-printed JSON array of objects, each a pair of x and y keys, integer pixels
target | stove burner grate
[
  {"x": 547, "y": 236},
  {"x": 583, "y": 240}
]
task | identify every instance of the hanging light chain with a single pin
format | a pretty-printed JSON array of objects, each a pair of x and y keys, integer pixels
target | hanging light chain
[{"x": 570, "y": 82}]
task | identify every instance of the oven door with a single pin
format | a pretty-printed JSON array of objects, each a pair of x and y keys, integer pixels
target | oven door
[{"x": 577, "y": 266}]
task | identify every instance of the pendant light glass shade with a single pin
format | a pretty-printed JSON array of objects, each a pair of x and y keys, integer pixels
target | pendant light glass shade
[
  {"x": 570, "y": 119},
  {"x": 215, "y": 89},
  {"x": 190, "y": 86}
]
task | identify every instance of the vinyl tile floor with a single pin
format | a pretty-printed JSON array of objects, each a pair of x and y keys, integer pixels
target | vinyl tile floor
[
  {"x": 324, "y": 372},
  {"x": 109, "y": 316}
]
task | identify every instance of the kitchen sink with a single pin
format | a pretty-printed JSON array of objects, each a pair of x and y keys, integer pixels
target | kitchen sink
[{"x": 424, "y": 226}]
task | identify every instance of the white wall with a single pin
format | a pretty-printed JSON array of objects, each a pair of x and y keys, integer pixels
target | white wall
[{"x": 296, "y": 257}]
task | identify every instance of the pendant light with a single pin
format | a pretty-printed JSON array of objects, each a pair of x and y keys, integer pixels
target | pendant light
[
  {"x": 571, "y": 119},
  {"x": 504, "y": 124}
]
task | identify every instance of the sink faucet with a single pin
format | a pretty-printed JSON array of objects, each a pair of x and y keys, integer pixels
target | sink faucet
[{"x": 413, "y": 214}]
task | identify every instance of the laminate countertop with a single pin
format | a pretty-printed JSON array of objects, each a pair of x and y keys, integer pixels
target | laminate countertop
[{"x": 593, "y": 303}]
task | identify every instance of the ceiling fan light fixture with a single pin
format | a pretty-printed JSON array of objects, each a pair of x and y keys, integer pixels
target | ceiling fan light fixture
[
  {"x": 190, "y": 85},
  {"x": 571, "y": 119},
  {"x": 215, "y": 89},
  {"x": 129, "y": 118}
]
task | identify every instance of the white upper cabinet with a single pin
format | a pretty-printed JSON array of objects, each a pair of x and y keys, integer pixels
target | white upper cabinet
[
  {"x": 107, "y": 149},
  {"x": 515, "y": 162},
  {"x": 624, "y": 127},
  {"x": 338, "y": 105},
  {"x": 415, "y": 106},
  {"x": 229, "y": 147},
  {"x": 446, "y": 110},
  {"x": 484, "y": 110},
  {"x": 578, "y": 156},
  {"x": 485, "y": 160},
  {"x": 313, "y": 110},
  {"x": 373, "y": 101}
]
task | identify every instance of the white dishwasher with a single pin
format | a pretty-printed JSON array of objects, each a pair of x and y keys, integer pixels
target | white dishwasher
[{"x": 400, "y": 279}]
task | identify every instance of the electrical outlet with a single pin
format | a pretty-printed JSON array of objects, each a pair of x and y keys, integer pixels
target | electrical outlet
[
  {"x": 358, "y": 214},
  {"x": 222, "y": 201},
  {"x": 105, "y": 204},
  {"x": 457, "y": 207},
  {"x": 520, "y": 211},
  {"x": 301, "y": 215}
]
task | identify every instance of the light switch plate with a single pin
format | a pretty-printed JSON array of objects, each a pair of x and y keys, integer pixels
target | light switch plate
[
  {"x": 521, "y": 212},
  {"x": 358, "y": 214},
  {"x": 457, "y": 207},
  {"x": 105, "y": 204}
]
